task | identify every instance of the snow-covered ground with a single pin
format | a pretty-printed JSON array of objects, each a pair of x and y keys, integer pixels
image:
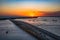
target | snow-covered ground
[
  {"x": 14, "y": 33},
  {"x": 51, "y": 24}
]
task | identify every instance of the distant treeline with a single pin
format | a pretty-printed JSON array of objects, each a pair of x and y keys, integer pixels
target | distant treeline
[{"x": 23, "y": 17}]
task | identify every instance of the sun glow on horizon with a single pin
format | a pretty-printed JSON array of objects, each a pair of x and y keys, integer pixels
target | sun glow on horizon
[
  {"x": 28, "y": 8},
  {"x": 29, "y": 12}
]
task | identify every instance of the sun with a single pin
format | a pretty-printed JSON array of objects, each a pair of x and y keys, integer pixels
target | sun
[{"x": 32, "y": 14}]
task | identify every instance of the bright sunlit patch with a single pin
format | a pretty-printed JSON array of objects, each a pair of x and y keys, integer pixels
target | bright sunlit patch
[{"x": 32, "y": 14}]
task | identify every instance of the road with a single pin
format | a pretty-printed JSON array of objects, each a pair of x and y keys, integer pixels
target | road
[
  {"x": 15, "y": 31},
  {"x": 30, "y": 29},
  {"x": 37, "y": 32},
  {"x": 49, "y": 24}
]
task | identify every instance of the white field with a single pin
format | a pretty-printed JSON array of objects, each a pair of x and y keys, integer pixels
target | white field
[
  {"x": 14, "y": 33},
  {"x": 51, "y": 24}
]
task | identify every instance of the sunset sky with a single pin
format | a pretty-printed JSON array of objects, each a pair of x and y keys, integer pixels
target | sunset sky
[{"x": 28, "y": 7}]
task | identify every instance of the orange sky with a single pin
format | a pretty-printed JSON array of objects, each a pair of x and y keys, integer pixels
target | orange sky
[
  {"x": 28, "y": 8},
  {"x": 22, "y": 13}
]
